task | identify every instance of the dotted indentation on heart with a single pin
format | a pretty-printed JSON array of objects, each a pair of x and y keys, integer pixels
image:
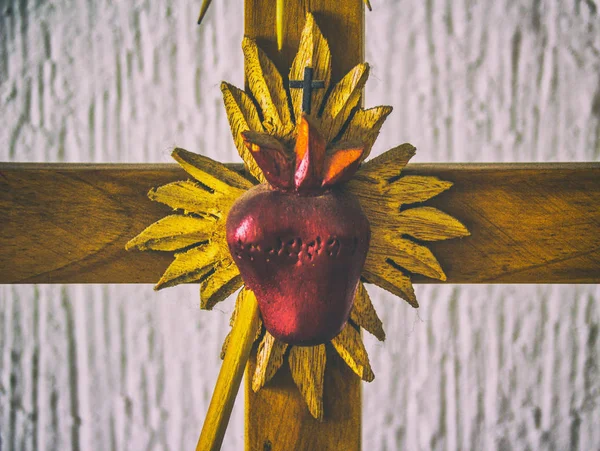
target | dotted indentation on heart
[{"x": 297, "y": 249}]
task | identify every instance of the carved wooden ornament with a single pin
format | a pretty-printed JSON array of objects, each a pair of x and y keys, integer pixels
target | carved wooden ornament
[{"x": 318, "y": 225}]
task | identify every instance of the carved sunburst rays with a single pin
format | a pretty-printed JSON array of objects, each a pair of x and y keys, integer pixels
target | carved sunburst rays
[
  {"x": 399, "y": 225},
  {"x": 307, "y": 364},
  {"x": 392, "y": 202},
  {"x": 196, "y": 232},
  {"x": 271, "y": 107},
  {"x": 396, "y": 250}
]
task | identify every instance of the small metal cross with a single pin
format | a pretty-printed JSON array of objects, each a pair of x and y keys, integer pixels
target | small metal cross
[{"x": 307, "y": 85}]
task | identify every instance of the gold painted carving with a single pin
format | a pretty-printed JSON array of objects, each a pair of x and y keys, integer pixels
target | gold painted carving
[{"x": 400, "y": 225}]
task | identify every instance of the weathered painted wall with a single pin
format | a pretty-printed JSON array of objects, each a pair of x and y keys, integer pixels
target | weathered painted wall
[{"x": 477, "y": 367}]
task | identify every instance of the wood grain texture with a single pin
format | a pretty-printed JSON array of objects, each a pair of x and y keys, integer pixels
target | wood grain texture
[
  {"x": 344, "y": 97},
  {"x": 365, "y": 125},
  {"x": 530, "y": 223},
  {"x": 351, "y": 349},
  {"x": 363, "y": 313},
  {"x": 307, "y": 366},
  {"x": 269, "y": 358},
  {"x": 313, "y": 52},
  {"x": 285, "y": 423},
  {"x": 267, "y": 87},
  {"x": 207, "y": 201},
  {"x": 242, "y": 116},
  {"x": 277, "y": 417},
  {"x": 342, "y": 25},
  {"x": 244, "y": 332}
]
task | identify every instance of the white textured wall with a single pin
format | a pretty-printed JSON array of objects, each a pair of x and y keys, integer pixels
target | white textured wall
[{"x": 477, "y": 367}]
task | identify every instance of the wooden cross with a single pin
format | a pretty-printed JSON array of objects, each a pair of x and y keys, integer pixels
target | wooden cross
[
  {"x": 99, "y": 207},
  {"x": 307, "y": 85}
]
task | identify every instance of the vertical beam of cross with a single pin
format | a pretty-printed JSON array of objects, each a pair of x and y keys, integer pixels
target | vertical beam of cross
[
  {"x": 307, "y": 85},
  {"x": 277, "y": 417}
]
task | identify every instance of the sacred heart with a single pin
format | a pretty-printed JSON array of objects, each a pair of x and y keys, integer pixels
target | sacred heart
[
  {"x": 299, "y": 242},
  {"x": 323, "y": 221}
]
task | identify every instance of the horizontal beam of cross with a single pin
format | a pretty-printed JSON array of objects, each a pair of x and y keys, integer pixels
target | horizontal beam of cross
[{"x": 530, "y": 223}]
